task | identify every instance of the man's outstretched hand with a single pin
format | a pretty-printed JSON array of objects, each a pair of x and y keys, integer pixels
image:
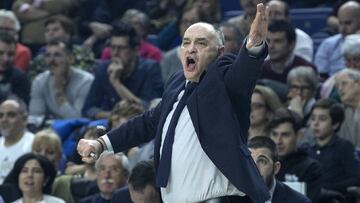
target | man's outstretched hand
[{"x": 259, "y": 27}]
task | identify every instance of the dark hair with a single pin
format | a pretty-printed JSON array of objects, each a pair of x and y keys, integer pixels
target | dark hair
[
  {"x": 264, "y": 142},
  {"x": 284, "y": 116},
  {"x": 65, "y": 23},
  {"x": 239, "y": 36},
  {"x": 122, "y": 29},
  {"x": 7, "y": 39},
  {"x": 143, "y": 174},
  {"x": 60, "y": 42},
  {"x": 45, "y": 164},
  {"x": 283, "y": 26},
  {"x": 336, "y": 111}
]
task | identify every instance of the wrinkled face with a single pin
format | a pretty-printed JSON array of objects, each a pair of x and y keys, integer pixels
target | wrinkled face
[
  {"x": 147, "y": 195},
  {"x": 57, "y": 59},
  {"x": 349, "y": 23},
  {"x": 285, "y": 139},
  {"x": 347, "y": 88},
  {"x": 110, "y": 175},
  {"x": 276, "y": 11},
  {"x": 279, "y": 47},
  {"x": 302, "y": 89},
  {"x": 321, "y": 124},
  {"x": 198, "y": 49},
  {"x": 47, "y": 150},
  {"x": 55, "y": 31},
  {"x": 188, "y": 18},
  {"x": 258, "y": 110},
  {"x": 7, "y": 55},
  {"x": 265, "y": 164},
  {"x": 12, "y": 122},
  {"x": 7, "y": 26},
  {"x": 120, "y": 49},
  {"x": 249, "y": 6},
  {"x": 231, "y": 44},
  {"x": 31, "y": 178}
]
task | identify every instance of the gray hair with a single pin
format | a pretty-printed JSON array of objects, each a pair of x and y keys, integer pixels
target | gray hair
[
  {"x": 10, "y": 15},
  {"x": 120, "y": 156},
  {"x": 351, "y": 46},
  {"x": 352, "y": 73},
  {"x": 130, "y": 13},
  {"x": 304, "y": 73}
]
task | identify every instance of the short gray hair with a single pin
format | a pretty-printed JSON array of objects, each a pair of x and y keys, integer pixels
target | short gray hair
[
  {"x": 351, "y": 46},
  {"x": 305, "y": 73},
  {"x": 120, "y": 156},
  {"x": 10, "y": 15}
]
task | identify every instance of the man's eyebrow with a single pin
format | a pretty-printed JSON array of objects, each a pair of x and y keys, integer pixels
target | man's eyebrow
[{"x": 200, "y": 39}]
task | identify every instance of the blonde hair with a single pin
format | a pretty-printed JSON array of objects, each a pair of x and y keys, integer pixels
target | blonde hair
[
  {"x": 271, "y": 99},
  {"x": 49, "y": 138}
]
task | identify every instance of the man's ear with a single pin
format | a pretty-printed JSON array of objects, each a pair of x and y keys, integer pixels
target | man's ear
[
  {"x": 221, "y": 51},
  {"x": 277, "y": 166},
  {"x": 335, "y": 126}
]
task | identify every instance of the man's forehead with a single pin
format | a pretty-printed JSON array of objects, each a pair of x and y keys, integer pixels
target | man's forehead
[
  {"x": 261, "y": 151},
  {"x": 9, "y": 105},
  {"x": 199, "y": 29}
]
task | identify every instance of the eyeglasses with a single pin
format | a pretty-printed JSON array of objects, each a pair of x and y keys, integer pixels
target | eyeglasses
[
  {"x": 257, "y": 106},
  {"x": 119, "y": 47},
  {"x": 299, "y": 87},
  {"x": 55, "y": 56}
]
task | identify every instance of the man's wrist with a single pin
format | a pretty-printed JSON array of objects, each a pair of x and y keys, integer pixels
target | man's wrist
[{"x": 102, "y": 144}]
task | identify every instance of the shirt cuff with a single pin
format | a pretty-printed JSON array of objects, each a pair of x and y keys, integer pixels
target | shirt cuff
[
  {"x": 107, "y": 143},
  {"x": 256, "y": 50}
]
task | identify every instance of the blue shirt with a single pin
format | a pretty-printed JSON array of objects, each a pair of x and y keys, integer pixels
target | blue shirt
[
  {"x": 145, "y": 82},
  {"x": 328, "y": 58}
]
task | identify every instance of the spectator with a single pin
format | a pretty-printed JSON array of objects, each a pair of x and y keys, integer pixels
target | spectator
[
  {"x": 62, "y": 28},
  {"x": 282, "y": 38},
  {"x": 171, "y": 60},
  {"x": 279, "y": 10},
  {"x": 244, "y": 21},
  {"x": 59, "y": 92},
  {"x": 209, "y": 10},
  {"x": 12, "y": 80},
  {"x": 33, "y": 176},
  {"x": 233, "y": 38},
  {"x": 15, "y": 140},
  {"x": 348, "y": 86},
  {"x": 141, "y": 23},
  {"x": 303, "y": 84},
  {"x": 336, "y": 155},
  {"x": 264, "y": 153},
  {"x": 264, "y": 104},
  {"x": 48, "y": 144},
  {"x": 10, "y": 24},
  {"x": 112, "y": 171},
  {"x": 125, "y": 77},
  {"x": 296, "y": 165},
  {"x": 328, "y": 58}
]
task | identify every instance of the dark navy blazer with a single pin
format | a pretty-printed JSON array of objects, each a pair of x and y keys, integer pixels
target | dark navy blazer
[
  {"x": 219, "y": 109},
  {"x": 284, "y": 194}
]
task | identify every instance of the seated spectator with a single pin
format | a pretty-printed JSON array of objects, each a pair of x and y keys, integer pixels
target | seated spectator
[
  {"x": 12, "y": 80},
  {"x": 328, "y": 58},
  {"x": 171, "y": 60},
  {"x": 125, "y": 77},
  {"x": 209, "y": 10},
  {"x": 296, "y": 165},
  {"x": 336, "y": 155},
  {"x": 281, "y": 39},
  {"x": 264, "y": 104},
  {"x": 141, "y": 23},
  {"x": 350, "y": 50},
  {"x": 303, "y": 83},
  {"x": 62, "y": 28},
  {"x": 15, "y": 140},
  {"x": 233, "y": 38},
  {"x": 33, "y": 14},
  {"x": 10, "y": 24},
  {"x": 59, "y": 92},
  {"x": 33, "y": 175},
  {"x": 244, "y": 21},
  {"x": 279, "y": 10},
  {"x": 112, "y": 172},
  {"x": 348, "y": 85},
  {"x": 48, "y": 144},
  {"x": 264, "y": 153}
]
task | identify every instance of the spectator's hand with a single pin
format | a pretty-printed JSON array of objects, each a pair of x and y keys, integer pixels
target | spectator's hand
[
  {"x": 89, "y": 150},
  {"x": 100, "y": 30},
  {"x": 296, "y": 104},
  {"x": 115, "y": 71},
  {"x": 259, "y": 27}
]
